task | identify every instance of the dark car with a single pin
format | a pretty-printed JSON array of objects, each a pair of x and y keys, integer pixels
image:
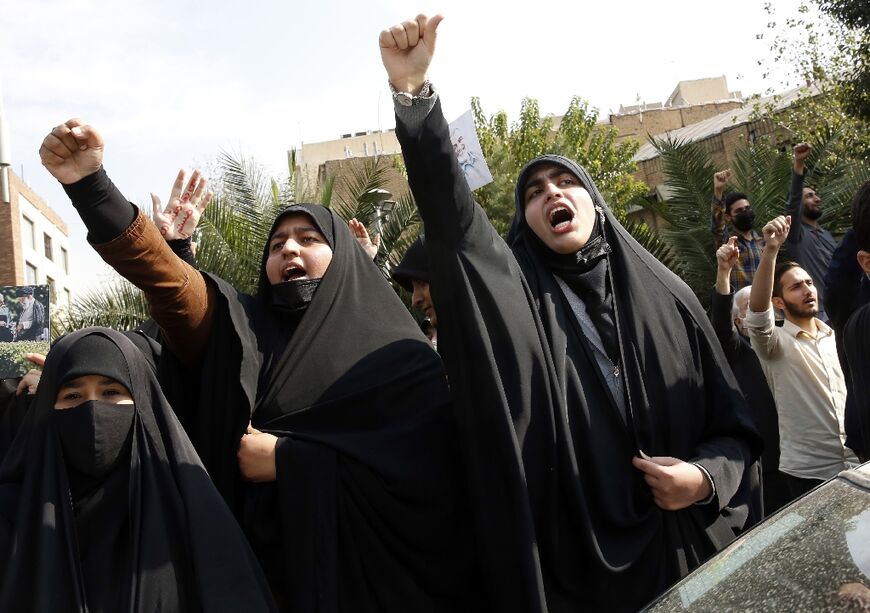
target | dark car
[{"x": 813, "y": 555}]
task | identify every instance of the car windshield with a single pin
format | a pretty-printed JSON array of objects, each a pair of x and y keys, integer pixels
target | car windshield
[{"x": 813, "y": 556}]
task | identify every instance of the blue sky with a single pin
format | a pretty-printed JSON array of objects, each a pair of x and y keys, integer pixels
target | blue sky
[{"x": 171, "y": 84}]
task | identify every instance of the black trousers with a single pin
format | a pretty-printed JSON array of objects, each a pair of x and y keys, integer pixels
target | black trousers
[{"x": 797, "y": 486}]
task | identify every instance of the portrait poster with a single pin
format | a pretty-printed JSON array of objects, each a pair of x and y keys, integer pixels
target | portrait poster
[
  {"x": 24, "y": 327},
  {"x": 468, "y": 152}
]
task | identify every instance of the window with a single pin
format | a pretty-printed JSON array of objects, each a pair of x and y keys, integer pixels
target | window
[
  {"x": 52, "y": 290},
  {"x": 28, "y": 232},
  {"x": 49, "y": 252},
  {"x": 68, "y": 297},
  {"x": 30, "y": 273},
  {"x": 64, "y": 259}
]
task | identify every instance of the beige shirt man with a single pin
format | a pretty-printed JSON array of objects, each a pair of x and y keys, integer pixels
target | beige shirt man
[
  {"x": 800, "y": 362},
  {"x": 804, "y": 375}
]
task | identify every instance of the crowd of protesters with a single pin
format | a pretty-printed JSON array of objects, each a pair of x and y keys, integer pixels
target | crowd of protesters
[{"x": 569, "y": 430}]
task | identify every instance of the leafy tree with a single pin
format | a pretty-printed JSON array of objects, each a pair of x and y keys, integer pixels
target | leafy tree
[
  {"x": 762, "y": 171},
  {"x": 578, "y": 136},
  {"x": 826, "y": 43},
  {"x": 235, "y": 226}
]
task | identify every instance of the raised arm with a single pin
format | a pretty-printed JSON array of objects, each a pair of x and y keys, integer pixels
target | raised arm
[
  {"x": 445, "y": 202},
  {"x": 717, "y": 207},
  {"x": 759, "y": 320},
  {"x": 762, "y": 287},
  {"x": 794, "y": 206},
  {"x": 720, "y": 313},
  {"x": 179, "y": 298}
]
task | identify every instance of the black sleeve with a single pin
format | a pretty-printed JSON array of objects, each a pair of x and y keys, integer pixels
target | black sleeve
[
  {"x": 102, "y": 207},
  {"x": 794, "y": 207},
  {"x": 842, "y": 282},
  {"x": 182, "y": 248},
  {"x": 720, "y": 317}
]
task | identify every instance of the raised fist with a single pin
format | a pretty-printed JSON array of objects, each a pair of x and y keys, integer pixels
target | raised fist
[
  {"x": 72, "y": 151},
  {"x": 406, "y": 51}
]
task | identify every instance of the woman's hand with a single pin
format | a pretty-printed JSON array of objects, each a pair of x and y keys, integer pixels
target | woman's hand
[
  {"x": 186, "y": 204},
  {"x": 257, "y": 456}
]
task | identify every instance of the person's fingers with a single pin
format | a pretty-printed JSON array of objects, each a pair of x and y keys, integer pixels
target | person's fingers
[
  {"x": 429, "y": 28},
  {"x": 85, "y": 135},
  {"x": 665, "y": 460},
  {"x": 155, "y": 206},
  {"x": 177, "y": 187},
  {"x": 35, "y": 358},
  {"x": 52, "y": 151},
  {"x": 386, "y": 40},
  {"x": 205, "y": 201},
  {"x": 412, "y": 32},
  {"x": 400, "y": 36},
  {"x": 732, "y": 242},
  {"x": 377, "y": 241},
  {"x": 647, "y": 467},
  {"x": 22, "y": 388},
  {"x": 64, "y": 135},
  {"x": 191, "y": 186},
  {"x": 197, "y": 194}
]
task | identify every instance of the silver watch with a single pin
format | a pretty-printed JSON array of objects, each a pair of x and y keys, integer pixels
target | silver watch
[{"x": 407, "y": 99}]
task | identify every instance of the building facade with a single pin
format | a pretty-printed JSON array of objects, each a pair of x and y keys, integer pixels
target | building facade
[{"x": 34, "y": 243}]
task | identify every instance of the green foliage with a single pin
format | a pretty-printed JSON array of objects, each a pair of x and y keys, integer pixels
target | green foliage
[
  {"x": 827, "y": 43},
  {"x": 234, "y": 229},
  {"x": 508, "y": 148},
  {"x": 12, "y": 361},
  {"x": 763, "y": 173}
]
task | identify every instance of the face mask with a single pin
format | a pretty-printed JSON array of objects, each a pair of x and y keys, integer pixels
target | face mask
[
  {"x": 293, "y": 296},
  {"x": 743, "y": 220},
  {"x": 94, "y": 436}
]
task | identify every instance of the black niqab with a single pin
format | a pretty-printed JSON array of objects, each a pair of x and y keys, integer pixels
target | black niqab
[{"x": 151, "y": 533}]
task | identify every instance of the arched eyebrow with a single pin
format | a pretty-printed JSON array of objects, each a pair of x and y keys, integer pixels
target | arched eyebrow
[
  {"x": 284, "y": 234},
  {"x": 553, "y": 173}
]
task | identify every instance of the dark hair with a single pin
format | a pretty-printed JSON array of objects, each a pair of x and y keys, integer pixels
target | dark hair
[
  {"x": 781, "y": 269},
  {"x": 731, "y": 198},
  {"x": 861, "y": 216}
]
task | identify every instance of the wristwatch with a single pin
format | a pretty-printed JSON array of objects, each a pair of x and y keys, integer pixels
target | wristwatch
[{"x": 407, "y": 99}]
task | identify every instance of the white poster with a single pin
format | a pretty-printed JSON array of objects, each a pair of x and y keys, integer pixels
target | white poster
[{"x": 468, "y": 152}]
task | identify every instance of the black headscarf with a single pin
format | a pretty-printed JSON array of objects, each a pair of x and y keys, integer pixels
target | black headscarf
[
  {"x": 412, "y": 266},
  {"x": 137, "y": 525},
  {"x": 367, "y": 513}
]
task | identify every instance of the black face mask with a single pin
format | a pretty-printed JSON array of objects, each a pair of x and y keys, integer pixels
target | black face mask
[
  {"x": 743, "y": 220},
  {"x": 293, "y": 296},
  {"x": 94, "y": 436}
]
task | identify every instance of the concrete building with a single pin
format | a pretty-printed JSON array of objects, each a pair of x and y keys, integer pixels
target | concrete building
[
  {"x": 34, "y": 243},
  {"x": 313, "y": 156},
  {"x": 690, "y": 103}
]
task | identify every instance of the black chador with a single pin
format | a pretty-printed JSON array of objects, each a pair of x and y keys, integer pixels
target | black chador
[
  {"x": 107, "y": 507},
  {"x": 565, "y": 521},
  {"x": 369, "y": 510}
]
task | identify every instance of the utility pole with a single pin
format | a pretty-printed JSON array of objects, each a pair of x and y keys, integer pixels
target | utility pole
[{"x": 5, "y": 156}]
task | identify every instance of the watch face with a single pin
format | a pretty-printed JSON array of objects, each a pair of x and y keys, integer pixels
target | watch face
[{"x": 404, "y": 98}]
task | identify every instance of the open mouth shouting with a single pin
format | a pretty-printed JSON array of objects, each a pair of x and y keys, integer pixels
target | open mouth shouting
[
  {"x": 293, "y": 272},
  {"x": 560, "y": 218}
]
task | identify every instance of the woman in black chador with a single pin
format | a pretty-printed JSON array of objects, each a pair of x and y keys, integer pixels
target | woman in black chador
[
  {"x": 104, "y": 504},
  {"x": 320, "y": 390}
]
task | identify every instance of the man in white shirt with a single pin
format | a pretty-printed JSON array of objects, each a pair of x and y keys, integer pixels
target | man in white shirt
[{"x": 801, "y": 365}]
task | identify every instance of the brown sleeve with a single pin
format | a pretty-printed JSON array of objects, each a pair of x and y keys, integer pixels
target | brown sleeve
[{"x": 181, "y": 301}]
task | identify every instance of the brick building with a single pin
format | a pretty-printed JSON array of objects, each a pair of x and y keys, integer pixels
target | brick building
[{"x": 34, "y": 243}]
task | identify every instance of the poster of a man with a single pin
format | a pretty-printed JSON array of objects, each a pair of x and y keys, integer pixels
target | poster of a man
[
  {"x": 468, "y": 152},
  {"x": 24, "y": 326},
  {"x": 32, "y": 322}
]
